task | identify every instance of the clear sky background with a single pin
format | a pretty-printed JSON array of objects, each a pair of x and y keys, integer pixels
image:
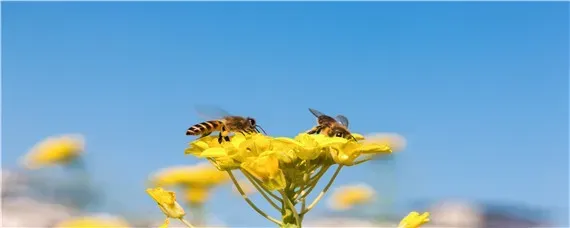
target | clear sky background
[{"x": 478, "y": 89}]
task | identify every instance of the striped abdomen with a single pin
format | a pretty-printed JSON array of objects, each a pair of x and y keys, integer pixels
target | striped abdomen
[{"x": 205, "y": 128}]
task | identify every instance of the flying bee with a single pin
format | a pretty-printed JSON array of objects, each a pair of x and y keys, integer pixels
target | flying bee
[
  {"x": 329, "y": 126},
  {"x": 225, "y": 124}
]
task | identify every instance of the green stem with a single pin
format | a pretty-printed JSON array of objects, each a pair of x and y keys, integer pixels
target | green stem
[
  {"x": 322, "y": 193},
  {"x": 363, "y": 160},
  {"x": 186, "y": 223},
  {"x": 198, "y": 215},
  {"x": 262, "y": 190},
  {"x": 313, "y": 183},
  {"x": 251, "y": 204},
  {"x": 290, "y": 214}
]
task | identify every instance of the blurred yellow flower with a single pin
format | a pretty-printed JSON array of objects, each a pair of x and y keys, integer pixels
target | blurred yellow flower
[
  {"x": 55, "y": 150},
  {"x": 202, "y": 174},
  {"x": 92, "y": 222},
  {"x": 197, "y": 195},
  {"x": 414, "y": 220},
  {"x": 166, "y": 201},
  {"x": 346, "y": 197}
]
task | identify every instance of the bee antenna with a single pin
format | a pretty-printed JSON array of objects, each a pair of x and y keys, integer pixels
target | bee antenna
[
  {"x": 259, "y": 127},
  {"x": 352, "y": 136}
]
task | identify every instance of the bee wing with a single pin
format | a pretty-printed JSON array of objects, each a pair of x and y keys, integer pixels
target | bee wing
[
  {"x": 342, "y": 119},
  {"x": 316, "y": 113},
  {"x": 210, "y": 112}
]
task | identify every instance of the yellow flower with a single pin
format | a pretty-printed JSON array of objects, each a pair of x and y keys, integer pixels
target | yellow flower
[
  {"x": 54, "y": 150},
  {"x": 166, "y": 201},
  {"x": 414, "y": 220},
  {"x": 266, "y": 168},
  {"x": 229, "y": 155},
  {"x": 197, "y": 195},
  {"x": 309, "y": 147},
  {"x": 202, "y": 174},
  {"x": 92, "y": 222},
  {"x": 347, "y": 153},
  {"x": 209, "y": 147},
  {"x": 346, "y": 197},
  {"x": 254, "y": 146}
]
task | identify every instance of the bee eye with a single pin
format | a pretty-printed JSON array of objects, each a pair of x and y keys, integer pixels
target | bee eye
[{"x": 338, "y": 134}]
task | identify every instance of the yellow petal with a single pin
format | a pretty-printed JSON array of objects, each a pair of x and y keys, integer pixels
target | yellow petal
[
  {"x": 358, "y": 136},
  {"x": 200, "y": 144},
  {"x": 332, "y": 141},
  {"x": 288, "y": 141},
  {"x": 226, "y": 163},
  {"x": 261, "y": 143},
  {"x": 345, "y": 155},
  {"x": 414, "y": 220},
  {"x": 213, "y": 153},
  {"x": 276, "y": 182},
  {"x": 263, "y": 167},
  {"x": 166, "y": 201},
  {"x": 237, "y": 139},
  {"x": 309, "y": 154},
  {"x": 165, "y": 224},
  {"x": 375, "y": 148}
]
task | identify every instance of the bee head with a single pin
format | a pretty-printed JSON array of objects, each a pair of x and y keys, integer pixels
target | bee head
[
  {"x": 341, "y": 132},
  {"x": 251, "y": 121},
  {"x": 253, "y": 125}
]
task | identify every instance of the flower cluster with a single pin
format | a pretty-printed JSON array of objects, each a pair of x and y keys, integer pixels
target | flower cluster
[
  {"x": 285, "y": 170},
  {"x": 270, "y": 159}
]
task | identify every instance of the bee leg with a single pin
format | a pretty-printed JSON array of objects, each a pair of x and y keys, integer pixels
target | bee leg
[
  {"x": 314, "y": 130},
  {"x": 220, "y": 137},
  {"x": 224, "y": 134},
  {"x": 242, "y": 132}
]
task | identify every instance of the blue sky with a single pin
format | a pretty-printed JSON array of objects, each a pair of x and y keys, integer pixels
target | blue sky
[{"x": 478, "y": 89}]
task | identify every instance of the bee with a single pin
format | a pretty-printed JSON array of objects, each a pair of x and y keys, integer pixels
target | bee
[
  {"x": 329, "y": 126},
  {"x": 225, "y": 124}
]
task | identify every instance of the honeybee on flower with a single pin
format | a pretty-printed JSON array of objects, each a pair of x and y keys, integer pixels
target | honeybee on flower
[
  {"x": 224, "y": 122},
  {"x": 331, "y": 127}
]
